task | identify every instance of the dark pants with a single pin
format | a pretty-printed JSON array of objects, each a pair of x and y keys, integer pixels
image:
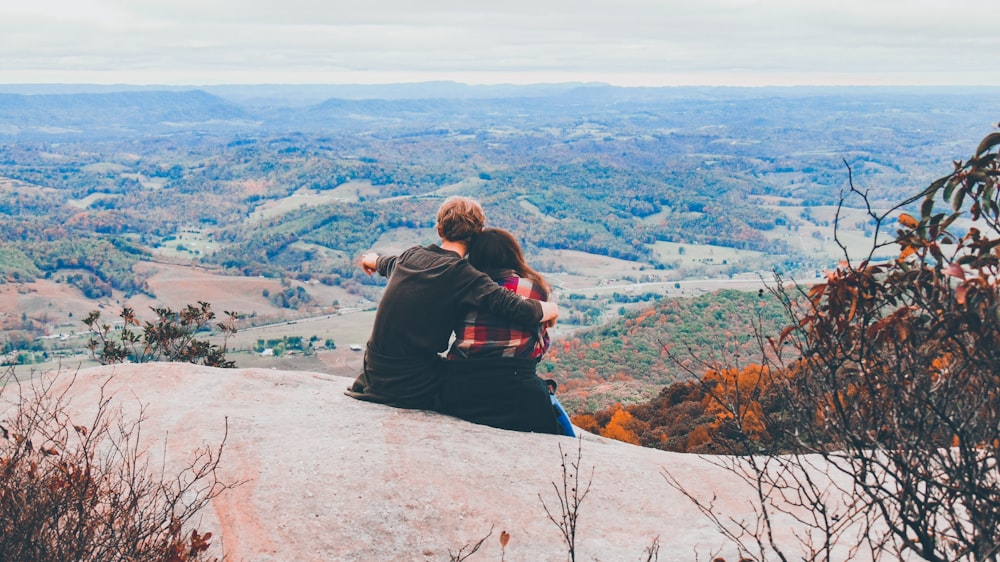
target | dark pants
[{"x": 501, "y": 392}]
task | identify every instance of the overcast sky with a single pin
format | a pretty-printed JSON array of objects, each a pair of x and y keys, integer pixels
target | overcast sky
[{"x": 625, "y": 42}]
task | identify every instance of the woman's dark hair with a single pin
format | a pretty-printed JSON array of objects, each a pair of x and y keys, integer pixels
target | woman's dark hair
[{"x": 494, "y": 249}]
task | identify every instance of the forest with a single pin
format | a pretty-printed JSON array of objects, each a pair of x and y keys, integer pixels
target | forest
[
  {"x": 602, "y": 170},
  {"x": 626, "y": 360}
]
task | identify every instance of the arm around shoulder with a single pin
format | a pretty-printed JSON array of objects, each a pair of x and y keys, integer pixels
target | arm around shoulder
[{"x": 550, "y": 311}]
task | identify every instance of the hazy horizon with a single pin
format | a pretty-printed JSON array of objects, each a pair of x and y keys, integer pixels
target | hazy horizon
[{"x": 629, "y": 43}]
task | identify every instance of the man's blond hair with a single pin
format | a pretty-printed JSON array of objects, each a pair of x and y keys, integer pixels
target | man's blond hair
[{"x": 459, "y": 219}]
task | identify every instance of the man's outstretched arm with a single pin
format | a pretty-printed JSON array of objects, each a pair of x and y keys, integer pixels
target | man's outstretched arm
[
  {"x": 369, "y": 263},
  {"x": 374, "y": 263}
]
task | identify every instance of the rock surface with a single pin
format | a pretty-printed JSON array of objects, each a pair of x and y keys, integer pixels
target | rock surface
[{"x": 329, "y": 478}]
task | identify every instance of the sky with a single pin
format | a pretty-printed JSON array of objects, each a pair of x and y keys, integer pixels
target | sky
[{"x": 621, "y": 42}]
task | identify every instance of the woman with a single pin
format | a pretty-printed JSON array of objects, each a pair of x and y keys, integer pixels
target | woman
[{"x": 490, "y": 376}]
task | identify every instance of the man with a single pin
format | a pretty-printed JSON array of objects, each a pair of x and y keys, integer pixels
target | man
[{"x": 430, "y": 289}]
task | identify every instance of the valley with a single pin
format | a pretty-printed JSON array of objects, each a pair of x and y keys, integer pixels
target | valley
[{"x": 623, "y": 198}]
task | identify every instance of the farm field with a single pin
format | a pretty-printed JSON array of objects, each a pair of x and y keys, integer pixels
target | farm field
[{"x": 62, "y": 307}]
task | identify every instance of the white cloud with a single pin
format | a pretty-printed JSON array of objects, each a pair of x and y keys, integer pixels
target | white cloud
[{"x": 626, "y": 41}]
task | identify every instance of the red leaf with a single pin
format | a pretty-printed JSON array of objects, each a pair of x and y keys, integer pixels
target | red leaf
[{"x": 955, "y": 270}]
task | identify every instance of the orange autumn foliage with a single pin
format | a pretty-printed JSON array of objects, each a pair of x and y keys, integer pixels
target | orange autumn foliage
[
  {"x": 698, "y": 438},
  {"x": 618, "y": 427},
  {"x": 586, "y": 422},
  {"x": 734, "y": 398},
  {"x": 708, "y": 415}
]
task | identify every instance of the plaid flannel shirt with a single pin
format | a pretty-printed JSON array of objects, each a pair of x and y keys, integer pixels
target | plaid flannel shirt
[{"x": 482, "y": 334}]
